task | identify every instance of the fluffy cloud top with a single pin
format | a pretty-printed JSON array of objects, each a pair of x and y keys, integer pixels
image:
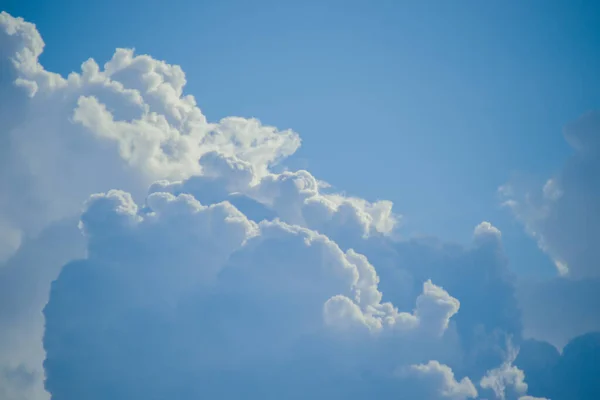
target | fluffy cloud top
[
  {"x": 440, "y": 382},
  {"x": 66, "y": 132}
]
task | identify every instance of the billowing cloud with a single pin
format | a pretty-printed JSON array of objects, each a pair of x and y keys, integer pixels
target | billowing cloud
[
  {"x": 225, "y": 278},
  {"x": 202, "y": 288},
  {"x": 128, "y": 124}
]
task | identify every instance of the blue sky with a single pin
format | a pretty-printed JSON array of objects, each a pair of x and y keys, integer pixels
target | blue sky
[
  {"x": 116, "y": 185},
  {"x": 430, "y": 105}
]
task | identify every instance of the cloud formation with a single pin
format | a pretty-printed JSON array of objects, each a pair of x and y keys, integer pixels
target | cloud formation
[
  {"x": 224, "y": 291},
  {"x": 147, "y": 252}
]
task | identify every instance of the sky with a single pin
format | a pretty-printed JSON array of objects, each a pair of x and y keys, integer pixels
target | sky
[{"x": 469, "y": 117}]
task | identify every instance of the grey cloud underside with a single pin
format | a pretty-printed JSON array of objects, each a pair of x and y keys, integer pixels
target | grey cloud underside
[
  {"x": 225, "y": 279},
  {"x": 572, "y": 374},
  {"x": 559, "y": 309}
]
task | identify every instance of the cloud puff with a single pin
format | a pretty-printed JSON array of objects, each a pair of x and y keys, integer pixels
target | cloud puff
[
  {"x": 439, "y": 382},
  {"x": 487, "y": 230}
]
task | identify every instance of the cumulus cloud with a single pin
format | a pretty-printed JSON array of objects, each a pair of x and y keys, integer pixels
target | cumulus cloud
[
  {"x": 487, "y": 229},
  {"x": 220, "y": 292},
  {"x": 225, "y": 278}
]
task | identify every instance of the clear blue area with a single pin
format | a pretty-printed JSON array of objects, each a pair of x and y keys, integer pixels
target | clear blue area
[{"x": 430, "y": 104}]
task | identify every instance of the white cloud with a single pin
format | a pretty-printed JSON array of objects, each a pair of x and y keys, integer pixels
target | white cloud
[
  {"x": 487, "y": 229},
  {"x": 435, "y": 307},
  {"x": 503, "y": 378},
  {"x": 128, "y": 124},
  {"x": 227, "y": 278},
  {"x": 440, "y": 382}
]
